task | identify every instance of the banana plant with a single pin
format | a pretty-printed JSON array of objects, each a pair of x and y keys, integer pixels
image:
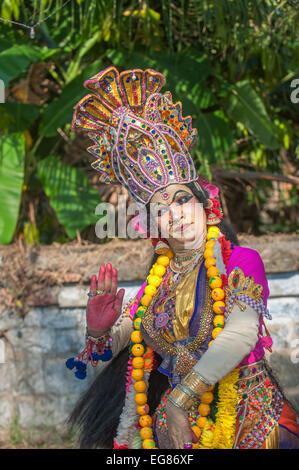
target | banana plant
[{"x": 229, "y": 63}]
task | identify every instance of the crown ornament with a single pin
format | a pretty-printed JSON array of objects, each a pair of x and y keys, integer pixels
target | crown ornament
[{"x": 140, "y": 138}]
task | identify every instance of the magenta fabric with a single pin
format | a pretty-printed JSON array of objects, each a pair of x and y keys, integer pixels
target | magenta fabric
[
  {"x": 133, "y": 308},
  {"x": 252, "y": 265}
]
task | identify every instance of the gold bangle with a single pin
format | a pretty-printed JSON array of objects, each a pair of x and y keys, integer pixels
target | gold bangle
[
  {"x": 181, "y": 398},
  {"x": 195, "y": 383}
]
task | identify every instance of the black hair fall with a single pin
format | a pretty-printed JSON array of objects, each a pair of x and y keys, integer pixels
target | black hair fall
[{"x": 95, "y": 416}]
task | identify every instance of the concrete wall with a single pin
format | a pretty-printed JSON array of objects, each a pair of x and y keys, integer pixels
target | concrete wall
[{"x": 36, "y": 387}]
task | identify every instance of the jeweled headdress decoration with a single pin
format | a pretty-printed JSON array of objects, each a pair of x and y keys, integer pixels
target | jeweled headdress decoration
[{"x": 141, "y": 139}]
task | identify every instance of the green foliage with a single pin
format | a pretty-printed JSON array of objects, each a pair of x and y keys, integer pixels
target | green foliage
[
  {"x": 215, "y": 136},
  {"x": 15, "y": 432},
  {"x": 245, "y": 106},
  {"x": 17, "y": 117},
  {"x": 70, "y": 194},
  {"x": 229, "y": 62},
  {"x": 16, "y": 59},
  {"x": 12, "y": 155},
  {"x": 31, "y": 233},
  {"x": 60, "y": 111}
]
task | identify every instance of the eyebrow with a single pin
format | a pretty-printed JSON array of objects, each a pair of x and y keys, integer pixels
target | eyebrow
[{"x": 179, "y": 191}]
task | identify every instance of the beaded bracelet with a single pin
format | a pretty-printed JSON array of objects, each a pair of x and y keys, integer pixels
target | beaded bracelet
[
  {"x": 97, "y": 340},
  {"x": 96, "y": 349}
]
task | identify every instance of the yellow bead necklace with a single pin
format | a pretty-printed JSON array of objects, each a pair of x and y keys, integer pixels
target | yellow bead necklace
[
  {"x": 153, "y": 282},
  {"x": 218, "y": 295}
]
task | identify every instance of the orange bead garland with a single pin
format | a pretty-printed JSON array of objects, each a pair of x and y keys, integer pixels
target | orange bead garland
[
  {"x": 138, "y": 350},
  {"x": 146, "y": 433},
  {"x": 140, "y": 362},
  {"x": 137, "y": 374},
  {"x": 218, "y": 296},
  {"x": 140, "y": 386}
]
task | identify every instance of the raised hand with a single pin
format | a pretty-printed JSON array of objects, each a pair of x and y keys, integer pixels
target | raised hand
[{"x": 103, "y": 310}]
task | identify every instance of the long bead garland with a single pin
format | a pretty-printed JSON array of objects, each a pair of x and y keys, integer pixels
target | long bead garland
[
  {"x": 212, "y": 436},
  {"x": 154, "y": 280},
  {"x": 218, "y": 295}
]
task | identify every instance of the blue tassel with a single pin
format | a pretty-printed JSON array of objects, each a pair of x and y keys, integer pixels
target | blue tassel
[
  {"x": 96, "y": 356},
  {"x": 107, "y": 355},
  {"x": 80, "y": 374},
  {"x": 81, "y": 366},
  {"x": 70, "y": 363}
]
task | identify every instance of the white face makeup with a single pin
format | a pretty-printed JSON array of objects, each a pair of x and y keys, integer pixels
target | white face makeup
[{"x": 181, "y": 218}]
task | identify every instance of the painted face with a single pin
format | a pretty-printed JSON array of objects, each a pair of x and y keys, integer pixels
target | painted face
[{"x": 180, "y": 216}]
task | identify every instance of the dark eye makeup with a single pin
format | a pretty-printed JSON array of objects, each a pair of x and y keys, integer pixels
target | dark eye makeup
[
  {"x": 181, "y": 200},
  {"x": 184, "y": 199}
]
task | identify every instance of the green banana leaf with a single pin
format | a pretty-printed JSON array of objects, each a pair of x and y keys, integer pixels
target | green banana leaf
[
  {"x": 74, "y": 66},
  {"x": 12, "y": 156},
  {"x": 60, "y": 111},
  {"x": 4, "y": 43},
  {"x": 245, "y": 106},
  {"x": 185, "y": 74},
  {"x": 182, "y": 70},
  {"x": 21, "y": 115},
  {"x": 214, "y": 136},
  {"x": 73, "y": 199},
  {"x": 16, "y": 59}
]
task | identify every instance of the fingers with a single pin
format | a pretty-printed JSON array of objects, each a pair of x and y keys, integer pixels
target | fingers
[
  {"x": 93, "y": 284},
  {"x": 107, "y": 281},
  {"x": 101, "y": 280},
  {"x": 108, "y": 278},
  {"x": 178, "y": 426},
  {"x": 114, "y": 281},
  {"x": 119, "y": 301},
  {"x": 178, "y": 440}
]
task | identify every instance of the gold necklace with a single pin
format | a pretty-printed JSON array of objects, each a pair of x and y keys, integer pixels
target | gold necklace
[
  {"x": 194, "y": 252},
  {"x": 192, "y": 261},
  {"x": 185, "y": 360}
]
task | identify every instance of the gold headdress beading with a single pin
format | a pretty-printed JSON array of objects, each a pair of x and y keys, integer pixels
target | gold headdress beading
[{"x": 141, "y": 139}]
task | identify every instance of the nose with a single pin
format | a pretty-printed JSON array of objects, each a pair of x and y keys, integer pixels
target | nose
[{"x": 173, "y": 216}]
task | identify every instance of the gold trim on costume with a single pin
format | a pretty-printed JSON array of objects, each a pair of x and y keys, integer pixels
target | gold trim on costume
[
  {"x": 238, "y": 284},
  {"x": 206, "y": 315},
  {"x": 184, "y": 304},
  {"x": 272, "y": 441},
  {"x": 128, "y": 306}
]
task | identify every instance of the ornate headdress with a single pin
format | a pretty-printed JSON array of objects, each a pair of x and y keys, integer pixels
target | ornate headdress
[{"x": 141, "y": 139}]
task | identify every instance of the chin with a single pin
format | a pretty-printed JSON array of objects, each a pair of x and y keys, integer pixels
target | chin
[{"x": 185, "y": 238}]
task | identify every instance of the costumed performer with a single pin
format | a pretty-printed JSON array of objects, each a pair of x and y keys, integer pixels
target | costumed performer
[{"x": 187, "y": 366}]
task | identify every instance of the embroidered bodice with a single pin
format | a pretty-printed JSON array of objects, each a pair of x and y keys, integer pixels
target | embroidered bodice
[{"x": 179, "y": 355}]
